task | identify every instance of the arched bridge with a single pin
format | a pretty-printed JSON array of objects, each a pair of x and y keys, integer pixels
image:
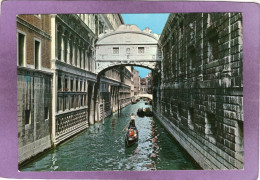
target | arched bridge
[
  {"x": 128, "y": 45},
  {"x": 150, "y": 96}
]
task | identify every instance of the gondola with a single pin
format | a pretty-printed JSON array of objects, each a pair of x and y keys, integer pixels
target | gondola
[
  {"x": 131, "y": 136},
  {"x": 134, "y": 102},
  {"x": 140, "y": 112},
  {"x": 148, "y": 112}
]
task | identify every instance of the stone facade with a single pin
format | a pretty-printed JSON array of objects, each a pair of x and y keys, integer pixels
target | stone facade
[
  {"x": 74, "y": 81},
  {"x": 128, "y": 46},
  {"x": 59, "y": 91},
  {"x": 34, "y": 82},
  {"x": 198, "y": 92},
  {"x": 137, "y": 82}
]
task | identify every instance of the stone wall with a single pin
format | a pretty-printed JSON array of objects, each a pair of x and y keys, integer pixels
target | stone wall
[
  {"x": 34, "y": 111},
  {"x": 199, "y": 94}
]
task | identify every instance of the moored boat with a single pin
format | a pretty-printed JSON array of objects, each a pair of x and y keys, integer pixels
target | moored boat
[
  {"x": 140, "y": 112},
  {"x": 134, "y": 102},
  {"x": 148, "y": 112}
]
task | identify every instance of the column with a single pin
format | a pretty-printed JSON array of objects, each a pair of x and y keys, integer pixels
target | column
[
  {"x": 62, "y": 47},
  {"x": 74, "y": 53},
  {"x": 54, "y": 108},
  {"x": 68, "y": 51},
  {"x": 91, "y": 117}
]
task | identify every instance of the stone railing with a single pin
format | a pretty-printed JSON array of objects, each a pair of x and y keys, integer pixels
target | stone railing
[{"x": 70, "y": 123}]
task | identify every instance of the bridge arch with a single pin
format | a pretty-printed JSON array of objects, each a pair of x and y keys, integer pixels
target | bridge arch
[{"x": 128, "y": 45}]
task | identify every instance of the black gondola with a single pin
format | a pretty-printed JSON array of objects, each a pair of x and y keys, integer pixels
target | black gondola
[
  {"x": 148, "y": 112},
  {"x": 140, "y": 112},
  {"x": 131, "y": 136},
  {"x": 134, "y": 102}
]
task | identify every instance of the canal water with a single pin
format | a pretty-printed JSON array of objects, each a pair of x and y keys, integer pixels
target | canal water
[{"x": 105, "y": 150}]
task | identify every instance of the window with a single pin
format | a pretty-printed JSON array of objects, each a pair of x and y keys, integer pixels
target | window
[
  {"x": 140, "y": 50},
  {"x": 80, "y": 86},
  {"x": 116, "y": 50},
  {"x": 127, "y": 50},
  {"x": 38, "y": 16},
  {"x": 81, "y": 100},
  {"x": 191, "y": 118},
  {"x": 213, "y": 44},
  {"x": 46, "y": 113},
  {"x": 37, "y": 55},
  {"x": 59, "y": 84},
  {"x": 66, "y": 85},
  {"x": 76, "y": 85},
  {"x": 27, "y": 116},
  {"x": 210, "y": 125},
  {"x": 21, "y": 49},
  {"x": 192, "y": 53},
  {"x": 71, "y": 85}
]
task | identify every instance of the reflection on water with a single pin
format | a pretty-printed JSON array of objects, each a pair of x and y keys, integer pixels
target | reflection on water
[{"x": 104, "y": 149}]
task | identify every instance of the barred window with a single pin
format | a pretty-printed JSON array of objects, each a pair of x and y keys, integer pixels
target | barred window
[
  {"x": 140, "y": 50},
  {"x": 116, "y": 50},
  {"x": 27, "y": 116}
]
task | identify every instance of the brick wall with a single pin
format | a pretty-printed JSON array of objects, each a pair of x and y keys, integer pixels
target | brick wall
[
  {"x": 199, "y": 94},
  {"x": 38, "y": 28}
]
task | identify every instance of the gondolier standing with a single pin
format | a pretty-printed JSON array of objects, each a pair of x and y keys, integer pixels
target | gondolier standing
[
  {"x": 132, "y": 132},
  {"x": 132, "y": 121}
]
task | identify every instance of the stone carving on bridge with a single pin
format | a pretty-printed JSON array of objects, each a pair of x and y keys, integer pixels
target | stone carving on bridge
[{"x": 128, "y": 45}]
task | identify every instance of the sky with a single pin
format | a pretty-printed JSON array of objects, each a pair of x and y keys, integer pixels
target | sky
[{"x": 155, "y": 22}]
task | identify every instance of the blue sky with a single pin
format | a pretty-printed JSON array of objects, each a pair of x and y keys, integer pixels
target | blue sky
[{"x": 155, "y": 22}]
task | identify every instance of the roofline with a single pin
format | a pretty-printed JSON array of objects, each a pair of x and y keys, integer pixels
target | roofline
[{"x": 122, "y": 32}]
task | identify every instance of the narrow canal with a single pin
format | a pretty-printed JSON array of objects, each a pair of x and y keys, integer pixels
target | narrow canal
[{"x": 104, "y": 149}]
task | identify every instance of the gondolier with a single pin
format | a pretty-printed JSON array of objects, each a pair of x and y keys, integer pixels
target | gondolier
[
  {"x": 132, "y": 121},
  {"x": 132, "y": 132}
]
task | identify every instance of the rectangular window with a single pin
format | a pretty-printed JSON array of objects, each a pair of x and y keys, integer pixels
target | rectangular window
[
  {"x": 76, "y": 85},
  {"x": 37, "y": 54},
  {"x": 66, "y": 85},
  {"x": 21, "y": 49},
  {"x": 191, "y": 118},
  {"x": 116, "y": 50},
  {"x": 128, "y": 50},
  {"x": 71, "y": 85},
  {"x": 27, "y": 117},
  {"x": 46, "y": 113},
  {"x": 59, "y": 84},
  {"x": 80, "y": 86},
  {"x": 140, "y": 50}
]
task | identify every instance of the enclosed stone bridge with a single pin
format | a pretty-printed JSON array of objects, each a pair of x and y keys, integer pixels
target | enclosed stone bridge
[{"x": 128, "y": 46}]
